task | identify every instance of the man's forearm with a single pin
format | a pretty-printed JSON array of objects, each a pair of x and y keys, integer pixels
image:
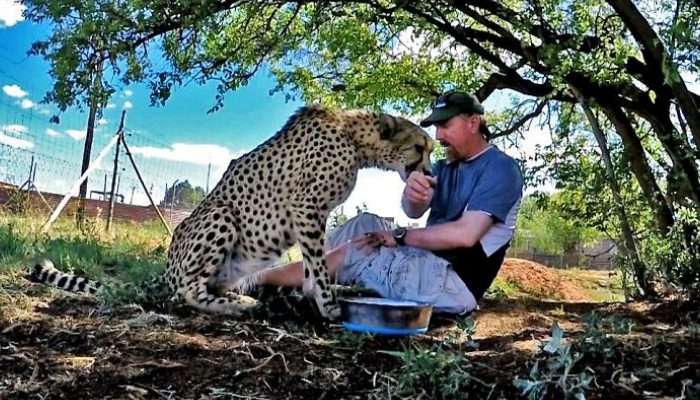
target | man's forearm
[
  {"x": 413, "y": 210},
  {"x": 465, "y": 232}
]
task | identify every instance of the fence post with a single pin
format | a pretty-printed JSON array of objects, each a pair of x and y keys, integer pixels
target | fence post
[
  {"x": 112, "y": 197},
  {"x": 145, "y": 189}
]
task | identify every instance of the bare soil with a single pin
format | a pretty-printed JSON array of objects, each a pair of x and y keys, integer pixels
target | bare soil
[{"x": 58, "y": 346}]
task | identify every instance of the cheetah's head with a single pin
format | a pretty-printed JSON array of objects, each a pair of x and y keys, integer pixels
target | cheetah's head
[{"x": 404, "y": 147}]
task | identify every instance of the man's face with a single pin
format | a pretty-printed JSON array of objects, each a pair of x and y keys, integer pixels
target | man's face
[{"x": 457, "y": 134}]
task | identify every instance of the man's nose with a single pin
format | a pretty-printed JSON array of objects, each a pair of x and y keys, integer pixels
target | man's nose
[{"x": 438, "y": 134}]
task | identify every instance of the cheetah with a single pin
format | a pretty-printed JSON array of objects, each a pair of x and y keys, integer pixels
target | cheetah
[{"x": 279, "y": 194}]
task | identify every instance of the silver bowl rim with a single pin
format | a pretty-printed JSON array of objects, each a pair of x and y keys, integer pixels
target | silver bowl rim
[{"x": 378, "y": 301}]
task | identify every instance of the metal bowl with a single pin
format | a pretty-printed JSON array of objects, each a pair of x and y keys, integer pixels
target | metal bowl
[{"x": 385, "y": 316}]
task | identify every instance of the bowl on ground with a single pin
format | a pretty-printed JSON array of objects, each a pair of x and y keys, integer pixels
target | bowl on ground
[{"x": 385, "y": 316}]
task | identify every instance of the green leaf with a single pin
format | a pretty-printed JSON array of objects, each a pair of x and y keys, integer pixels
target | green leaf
[{"x": 555, "y": 343}]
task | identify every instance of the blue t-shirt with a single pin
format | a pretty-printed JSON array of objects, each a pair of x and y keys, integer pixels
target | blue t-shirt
[{"x": 490, "y": 183}]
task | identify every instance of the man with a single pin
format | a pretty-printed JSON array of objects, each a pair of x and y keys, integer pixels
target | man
[{"x": 473, "y": 197}]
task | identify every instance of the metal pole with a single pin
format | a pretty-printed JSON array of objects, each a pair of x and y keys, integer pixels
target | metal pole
[
  {"x": 110, "y": 214},
  {"x": 172, "y": 198},
  {"x": 104, "y": 185},
  {"x": 143, "y": 184},
  {"x": 208, "y": 175}
]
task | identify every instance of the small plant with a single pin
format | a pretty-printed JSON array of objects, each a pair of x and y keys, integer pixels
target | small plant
[
  {"x": 556, "y": 378},
  {"x": 354, "y": 343},
  {"x": 501, "y": 289},
  {"x": 463, "y": 335},
  {"x": 597, "y": 336},
  {"x": 676, "y": 255},
  {"x": 432, "y": 371},
  {"x": 14, "y": 245}
]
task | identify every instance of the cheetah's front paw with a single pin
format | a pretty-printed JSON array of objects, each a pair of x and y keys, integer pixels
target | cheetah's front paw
[{"x": 331, "y": 311}]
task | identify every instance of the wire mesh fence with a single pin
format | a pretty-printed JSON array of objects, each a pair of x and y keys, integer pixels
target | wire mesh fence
[
  {"x": 600, "y": 255},
  {"x": 40, "y": 154}
]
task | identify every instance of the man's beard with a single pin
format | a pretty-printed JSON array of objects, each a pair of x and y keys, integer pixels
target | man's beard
[{"x": 450, "y": 153}]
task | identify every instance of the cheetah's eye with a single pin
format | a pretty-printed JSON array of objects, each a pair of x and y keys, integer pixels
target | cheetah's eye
[{"x": 420, "y": 148}]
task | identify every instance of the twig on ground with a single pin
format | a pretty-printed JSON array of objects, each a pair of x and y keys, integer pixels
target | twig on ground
[
  {"x": 622, "y": 385},
  {"x": 267, "y": 360},
  {"x": 12, "y": 327}
]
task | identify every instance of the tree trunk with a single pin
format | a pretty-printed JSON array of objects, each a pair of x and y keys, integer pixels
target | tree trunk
[
  {"x": 94, "y": 105},
  {"x": 87, "y": 149},
  {"x": 643, "y": 286},
  {"x": 635, "y": 153}
]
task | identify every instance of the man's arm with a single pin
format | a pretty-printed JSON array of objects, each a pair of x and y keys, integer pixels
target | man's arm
[{"x": 464, "y": 232}]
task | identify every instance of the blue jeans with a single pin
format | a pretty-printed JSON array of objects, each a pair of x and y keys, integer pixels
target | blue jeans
[{"x": 403, "y": 272}]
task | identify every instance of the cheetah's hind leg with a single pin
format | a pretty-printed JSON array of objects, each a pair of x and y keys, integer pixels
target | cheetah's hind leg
[{"x": 203, "y": 257}]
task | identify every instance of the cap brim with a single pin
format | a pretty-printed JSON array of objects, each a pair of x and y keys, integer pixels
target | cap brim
[{"x": 440, "y": 115}]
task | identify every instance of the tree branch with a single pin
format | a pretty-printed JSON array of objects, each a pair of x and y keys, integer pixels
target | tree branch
[
  {"x": 654, "y": 50},
  {"x": 527, "y": 117}
]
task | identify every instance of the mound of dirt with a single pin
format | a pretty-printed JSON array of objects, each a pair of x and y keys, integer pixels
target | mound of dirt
[{"x": 540, "y": 280}]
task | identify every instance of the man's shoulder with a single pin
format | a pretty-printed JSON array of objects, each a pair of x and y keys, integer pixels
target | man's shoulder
[
  {"x": 502, "y": 166},
  {"x": 497, "y": 154},
  {"x": 496, "y": 158}
]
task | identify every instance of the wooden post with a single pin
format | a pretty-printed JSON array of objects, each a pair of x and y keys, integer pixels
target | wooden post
[{"x": 145, "y": 189}]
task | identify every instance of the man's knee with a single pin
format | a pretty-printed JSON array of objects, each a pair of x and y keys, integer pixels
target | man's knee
[
  {"x": 358, "y": 225},
  {"x": 367, "y": 219}
]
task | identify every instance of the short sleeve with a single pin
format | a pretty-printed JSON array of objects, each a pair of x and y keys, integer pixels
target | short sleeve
[{"x": 498, "y": 189}]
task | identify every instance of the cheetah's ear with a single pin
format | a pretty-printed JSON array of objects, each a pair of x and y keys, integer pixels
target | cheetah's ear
[{"x": 387, "y": 126}]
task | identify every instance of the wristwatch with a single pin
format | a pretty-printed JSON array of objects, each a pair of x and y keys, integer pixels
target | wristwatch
[{"x": 399, "y": 235}]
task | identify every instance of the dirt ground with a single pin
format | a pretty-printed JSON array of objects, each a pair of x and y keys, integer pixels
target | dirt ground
[
  {"x": 543, "y": 282},
  {"x": 57, "y": 346}
]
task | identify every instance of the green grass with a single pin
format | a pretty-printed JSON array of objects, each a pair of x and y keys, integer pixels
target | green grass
[
  {"x": 604, "y": 286},
  {"x": 130, "y": 253},
  {"x": 126, "y": 260},
  {"x": 502, "y": 289}
]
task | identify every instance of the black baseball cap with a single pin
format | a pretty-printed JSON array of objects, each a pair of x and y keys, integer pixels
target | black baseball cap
[{"x": 450, "y": 104}]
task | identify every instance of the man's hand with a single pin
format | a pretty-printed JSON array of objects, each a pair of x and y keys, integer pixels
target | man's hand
[
  {"x": 371, "y": 241},
  {"x": 418, "y": 192}
]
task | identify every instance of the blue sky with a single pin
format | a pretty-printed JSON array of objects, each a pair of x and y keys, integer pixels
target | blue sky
[
  {"x": 181, "y": 130},
  {"x": 184, "y": 117}
]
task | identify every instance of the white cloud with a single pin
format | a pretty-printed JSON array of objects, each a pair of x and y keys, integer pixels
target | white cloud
[
  {"x": 201, "y": 154},
  {"x": 52, "y": 132},
  {"x": 102, "y": 121},
  {"x": 110, "y": 106},
  {"x": 14, "y": 142},
  {"x": 128, "y": 104},
  {"x": 128, "y": 92},
  {"x": 26, "y": 104},
  {"x": 10, "y": 12},
  {"x": 14, "y": 129},
  {"x": 76, "y": 134},
  {"x": 13, "y": 90}
]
